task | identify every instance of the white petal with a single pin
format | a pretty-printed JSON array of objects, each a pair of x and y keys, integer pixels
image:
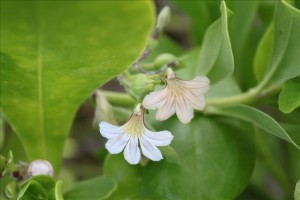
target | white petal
[
  {"x": 167, "y": 109},
  {"x": 161, "y": 138},
  {"x": 150, "y": 150},
  {"x": 200, "y": 83},
  {"x": 116, "y": 145},
  {"x": 155, "y": 100},
  {"x": 110, "y": 131},
  {"x": 184, "y": 111},
  {"x": 132, "y": 152},
  {"x": 198, "y": 101}
]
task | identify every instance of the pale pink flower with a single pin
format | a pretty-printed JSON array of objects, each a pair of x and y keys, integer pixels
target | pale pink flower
[
  {"x": 133, "y": 134},
  {"x": 178, "y": 96}
]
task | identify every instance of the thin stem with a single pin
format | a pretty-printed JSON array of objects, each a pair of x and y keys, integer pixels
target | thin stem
[
  {"x": 118, "y": 98},
  {"x": 246, "y": 98},
  {"x": 249, "y": 97}
]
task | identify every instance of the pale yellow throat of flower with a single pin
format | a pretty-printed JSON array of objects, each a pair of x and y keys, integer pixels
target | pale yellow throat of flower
[
  {"x": 174, "y": 86},
  {"x": 135, "y": 126}
]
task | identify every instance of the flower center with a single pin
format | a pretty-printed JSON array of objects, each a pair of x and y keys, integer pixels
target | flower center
[
  {"x": 135, "y": 125},
  {"x": 175, "y": 86}
]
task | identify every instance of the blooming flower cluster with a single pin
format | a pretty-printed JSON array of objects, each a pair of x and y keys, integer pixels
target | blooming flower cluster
[{"x": 178, "y": 96}]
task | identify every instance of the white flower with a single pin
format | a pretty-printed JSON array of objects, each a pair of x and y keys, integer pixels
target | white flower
[
  {"x": 178, "y": 96},
  {"x": 133, "y": 133}
]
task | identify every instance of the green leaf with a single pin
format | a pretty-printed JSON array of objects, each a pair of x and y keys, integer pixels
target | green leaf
[
  {"x": 56, "y": 193},
  {"x": 289, "y": 97},
  {"x": 32, "y": 190},
  {"x": 127, "y": 176},
  {"x": 47, "y": 182},
  {"x": 216, "y": 58},
  {"x": 285, "y": 60},
  {"x": 211, "y": 153},
  {"x": 260, "y": 119},
  {"x": 264, "y": 53},
  {"x": 202, "y": 150},
  {"x": 297, "y": 191},
  {"x": 96, "y": 189},
  {"x": 52, "y": 61}
]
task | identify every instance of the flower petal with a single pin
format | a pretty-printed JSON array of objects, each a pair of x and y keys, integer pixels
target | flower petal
[
  {"x": 132, "y": 152},
  {"x": 200, "y": 83},
  {"x": 198, "y": 101},
  {"x": 156, "y": 99},
  {"x": 110, "y": 131},
  {"x": 150, "y": 150},
  {"x": 167, "y": 109},
  {"x": 116, "y": 145},
  {"x": 184, "y": 111},
  {"x": 161, "y": 138}
]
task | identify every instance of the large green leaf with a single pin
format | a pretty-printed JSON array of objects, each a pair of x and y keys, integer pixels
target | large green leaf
[
  {"x": 55, "y": 54},
  {"x": 285, "y": 59},
  {"x": 289, "y": 98},
  {"x": 260, "y": 119},
  {"x": 216, "y": 58},
  {"x": 215, "y": 161},
  {"x": 96, "y": 189}
]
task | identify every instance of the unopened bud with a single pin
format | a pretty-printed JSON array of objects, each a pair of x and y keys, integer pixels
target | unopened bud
[
  {"x": 163, "y": 18},
  {"x": 40, "y": 167},
  {"x": 164, "y": 59},
  {"x": 142, "y": 84}
]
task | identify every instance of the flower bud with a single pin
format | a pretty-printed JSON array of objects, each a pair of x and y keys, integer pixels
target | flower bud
[
  {"x": 163, "y": 18},
  {"x": 40, "y": 167},
  {"x": 142, "y": 84},
  {"x": 164, "y": 59}
]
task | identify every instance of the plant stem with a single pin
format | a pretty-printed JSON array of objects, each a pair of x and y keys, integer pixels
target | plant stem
[
  {"x": 123, "y": 99},
  {"x": 118, "y": 98},
  {"x": 246, "y": 98},
  {"x": 249, "y": 97}
]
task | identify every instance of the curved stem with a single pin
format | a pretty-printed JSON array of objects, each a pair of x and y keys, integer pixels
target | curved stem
[
  {"x": 251, "y": 96},
  {"x": 246, "y": 98},
  {"x": 123, "y": 99}
]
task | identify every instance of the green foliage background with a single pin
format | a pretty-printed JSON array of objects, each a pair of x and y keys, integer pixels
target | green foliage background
[{"x": 55, "y": 54}]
